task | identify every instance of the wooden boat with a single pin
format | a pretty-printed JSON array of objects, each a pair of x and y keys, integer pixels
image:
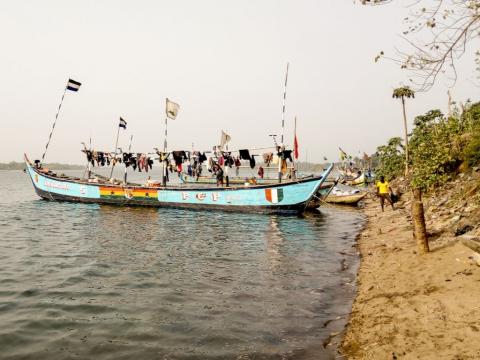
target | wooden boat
[
  {"x": 288, "y": 197},
  {"x": 317, "y": 199},
  {"x": 325, "y": 194},
  {"x": 345, "y": 199},
  {"x": 356, "y": 181}
]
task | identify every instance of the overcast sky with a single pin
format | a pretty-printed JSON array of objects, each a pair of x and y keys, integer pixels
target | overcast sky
[{"x": 222, "y": 61}]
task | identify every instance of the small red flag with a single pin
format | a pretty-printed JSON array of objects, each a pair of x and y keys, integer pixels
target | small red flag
[{"x": 295, "y": 147}]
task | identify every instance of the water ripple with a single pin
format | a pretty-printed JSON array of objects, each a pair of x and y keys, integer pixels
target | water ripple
[{"x": 90, "y": 281}]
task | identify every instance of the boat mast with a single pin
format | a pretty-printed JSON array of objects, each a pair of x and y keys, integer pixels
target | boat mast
[
  {"x": 54, "y": 123},
  {"x": 164, "y": 177},
  {"x": 294, "y": 147},
  {"x": 282, "y": 146},
  {"x": 115, "y": 151}
]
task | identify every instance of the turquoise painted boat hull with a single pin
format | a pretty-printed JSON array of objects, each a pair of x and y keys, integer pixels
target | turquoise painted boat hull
[{"x": 289, "y": 197}]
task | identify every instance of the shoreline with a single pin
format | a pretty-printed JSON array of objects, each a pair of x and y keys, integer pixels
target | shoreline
[{"x": 407, "y": 305}]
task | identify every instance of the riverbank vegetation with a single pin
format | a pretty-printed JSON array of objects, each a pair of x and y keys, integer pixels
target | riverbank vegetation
[{"x": 440, "y": 147}]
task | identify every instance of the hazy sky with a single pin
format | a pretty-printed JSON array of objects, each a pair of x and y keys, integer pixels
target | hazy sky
[{"x": 222, "y": 61}]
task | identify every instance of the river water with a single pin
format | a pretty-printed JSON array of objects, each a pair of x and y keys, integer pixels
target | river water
[{"x": 83, "y": 281}]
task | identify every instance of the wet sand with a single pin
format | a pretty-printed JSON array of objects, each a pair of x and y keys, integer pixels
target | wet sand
[{"x": 410, "y": 306}]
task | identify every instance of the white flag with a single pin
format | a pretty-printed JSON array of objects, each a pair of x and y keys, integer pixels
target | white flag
[
  {"x": 225, "y": 138},
  {"x": 172, "y": 109}
]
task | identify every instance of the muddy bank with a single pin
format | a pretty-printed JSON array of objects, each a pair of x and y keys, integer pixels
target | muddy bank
[{"x": 410, "y": 306}]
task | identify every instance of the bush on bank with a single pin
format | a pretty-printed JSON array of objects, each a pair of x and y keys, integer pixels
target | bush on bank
[{"x": 439, "y": 146}]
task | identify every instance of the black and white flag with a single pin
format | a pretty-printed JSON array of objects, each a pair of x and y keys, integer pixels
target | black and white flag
[
  {"x": 73, "y": 85},
  {"x": 122, "y": 124}
]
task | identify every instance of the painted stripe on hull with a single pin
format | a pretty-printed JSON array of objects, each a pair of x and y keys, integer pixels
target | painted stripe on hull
[{"x": 288, "y": 209}]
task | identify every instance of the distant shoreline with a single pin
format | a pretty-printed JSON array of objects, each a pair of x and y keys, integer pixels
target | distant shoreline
[{"x": 13, "y": 165}]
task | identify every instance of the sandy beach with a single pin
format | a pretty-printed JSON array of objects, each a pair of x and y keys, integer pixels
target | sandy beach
[{"x": 411, "y": 306}]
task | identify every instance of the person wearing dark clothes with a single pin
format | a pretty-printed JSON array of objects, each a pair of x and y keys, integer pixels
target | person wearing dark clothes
[{"x": 217, "y": 170}]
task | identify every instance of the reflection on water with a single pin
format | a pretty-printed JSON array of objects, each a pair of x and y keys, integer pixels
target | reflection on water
[{"x": 83, "y": 281}]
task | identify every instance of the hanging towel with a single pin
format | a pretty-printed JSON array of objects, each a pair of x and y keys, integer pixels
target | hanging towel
[
  {"x": 252, "y": 161},
  {"x": 244, "y": 154}
]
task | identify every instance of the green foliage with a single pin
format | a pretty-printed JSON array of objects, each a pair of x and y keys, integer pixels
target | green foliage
[
  {"x": 403, "y": 92},
  {"x": 435, "y": 148},
  {"x": 471, "y": 152},
  {"x": 438, "y": 145},
  {"x": 390, "y": 159}
]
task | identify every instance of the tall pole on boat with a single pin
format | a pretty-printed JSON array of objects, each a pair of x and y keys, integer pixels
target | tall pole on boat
[
  {"x": 227, "y": 179},
  {"x": 171, "y": 111},
  {"x": 54, "y": 123},
  {"x": 72, "y": 85},
  {"x": 282, "y": 147},
  {"x": 89, "y": 173},
  {"x": 129, "y": 149},
  {"x": 294, "y": 148},
  {"x": 115, "y": 151},
  {"x": 164, "y": 177},
  {"x": 283, "y": 108}
]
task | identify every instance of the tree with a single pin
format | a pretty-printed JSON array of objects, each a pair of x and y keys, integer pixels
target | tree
[
  {"x": 437, "y": 33},
  {"x": 402, "y": 93},
  {"x": 389, "y": 159}
]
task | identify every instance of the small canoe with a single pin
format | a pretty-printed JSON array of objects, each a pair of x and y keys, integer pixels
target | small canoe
[
  {"x": 290, "y": 197},
  {"x": 360, "y": 180},
  {"x": 345, "y": 199}
]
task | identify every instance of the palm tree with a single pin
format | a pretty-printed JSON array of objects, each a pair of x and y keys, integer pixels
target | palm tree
[{"x": 402, "y": 93}]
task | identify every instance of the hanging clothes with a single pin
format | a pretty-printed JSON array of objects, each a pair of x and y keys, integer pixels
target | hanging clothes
[
  {"x": 260, "y": 172},
  {"x": 252, "y": 161},
  {"x": 90, "y": 157},
  {"x": 228, "y": 159},
  {"x": 284, "y": 166},
  {"x": 267, "y": 158},
  {"x": 178, "y": 156},
  {"x": 133, "y": 162},
  {"x": 210, "y": 164},
  {"x": 244, "y": 154},
  {"x": 275, "y": 160},
  {"x": 287, "y": 154},
  {"x": 202, "y": 158}
]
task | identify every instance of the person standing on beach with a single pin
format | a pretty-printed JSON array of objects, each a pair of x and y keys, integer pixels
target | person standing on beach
[{"x": 383, "y": 191}]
